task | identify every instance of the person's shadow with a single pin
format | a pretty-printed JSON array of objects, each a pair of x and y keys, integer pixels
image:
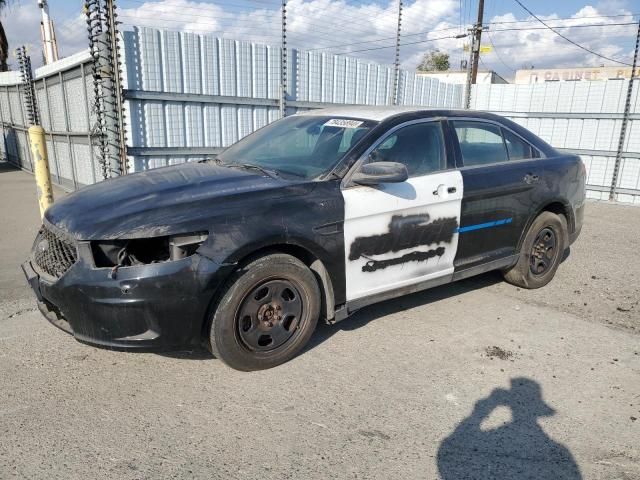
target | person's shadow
[{"x": 519, "y": 449}]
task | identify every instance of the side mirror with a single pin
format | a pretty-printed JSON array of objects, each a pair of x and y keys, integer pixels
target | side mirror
[{"x": 380, "y": 172}]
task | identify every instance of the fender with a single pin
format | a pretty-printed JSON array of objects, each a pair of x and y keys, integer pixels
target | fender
[{"x": 555, "y": 205}]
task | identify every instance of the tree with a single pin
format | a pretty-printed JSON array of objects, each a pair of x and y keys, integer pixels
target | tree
[
  {"x": 434, "y": 61},
  {"x": 4, "y": 45}
]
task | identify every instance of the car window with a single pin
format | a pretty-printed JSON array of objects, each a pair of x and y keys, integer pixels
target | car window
[
  {"x": 518, "y": 149},
  {"x": 480, "y": 143},
  {"x": 420, "y": 147}
]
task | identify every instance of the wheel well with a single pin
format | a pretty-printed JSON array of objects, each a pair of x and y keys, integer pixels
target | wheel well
[
  {"x": 310, "y": 260},
  {"x": 560, "y": 209}
]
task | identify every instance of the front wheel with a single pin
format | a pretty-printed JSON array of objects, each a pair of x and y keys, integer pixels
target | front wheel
[
  {"x": 267, "y": 313},
  {"x": 541, "y": 253}
]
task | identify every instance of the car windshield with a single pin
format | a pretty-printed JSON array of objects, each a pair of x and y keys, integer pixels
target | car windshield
[{"x": 303, "y": 146}]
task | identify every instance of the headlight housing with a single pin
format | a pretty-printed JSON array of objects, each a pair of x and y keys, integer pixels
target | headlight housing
[{"x": 142, "y": 251}]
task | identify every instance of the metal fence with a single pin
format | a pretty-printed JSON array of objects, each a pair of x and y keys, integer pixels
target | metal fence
[
  {"x": 578, "y": 117},
  {"x": 63, "y": 94},
  {"x": 190, "y": 95}
]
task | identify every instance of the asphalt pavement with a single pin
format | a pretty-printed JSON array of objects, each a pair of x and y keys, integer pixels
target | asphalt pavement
[{"x": 472, "y": 380}]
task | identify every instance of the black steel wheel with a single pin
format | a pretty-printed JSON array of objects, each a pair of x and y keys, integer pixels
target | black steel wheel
[
  {"x": 541, "y": 252},
  {"x": 267, "y": 313}
]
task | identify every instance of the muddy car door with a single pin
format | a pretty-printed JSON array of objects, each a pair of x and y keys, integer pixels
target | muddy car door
[{"x": 405, "y": 233}]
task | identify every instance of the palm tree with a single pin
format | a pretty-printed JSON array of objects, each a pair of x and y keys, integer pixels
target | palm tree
[{"x": 4, "y": 45}]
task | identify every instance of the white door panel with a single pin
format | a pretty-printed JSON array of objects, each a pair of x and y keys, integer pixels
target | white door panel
[{"x": 398, "y": 234}]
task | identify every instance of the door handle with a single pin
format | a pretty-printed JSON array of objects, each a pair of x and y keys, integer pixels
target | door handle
[
  {"x": 441, "y": 189},
  {"x": 530, "y": 178}
]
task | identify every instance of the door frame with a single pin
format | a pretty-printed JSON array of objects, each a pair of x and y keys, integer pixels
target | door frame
[{"x": 346, "y": 183}]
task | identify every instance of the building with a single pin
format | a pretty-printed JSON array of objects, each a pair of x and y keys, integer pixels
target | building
[
  {"x": 572, "y": 74},
  {"x": 460, "y": 76}
]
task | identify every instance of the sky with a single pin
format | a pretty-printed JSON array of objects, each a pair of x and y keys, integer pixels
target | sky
[{"x": 367, "y": 29}]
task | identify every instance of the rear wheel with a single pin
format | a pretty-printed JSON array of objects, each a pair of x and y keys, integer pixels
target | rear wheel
[
  {"x": 541, "y": 252},
  {"x": 267, "y": 313}
]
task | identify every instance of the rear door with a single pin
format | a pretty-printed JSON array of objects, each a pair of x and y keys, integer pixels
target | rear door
[
  {"x": 501, "y": 174},
  {"x": 401, "y": 234}
]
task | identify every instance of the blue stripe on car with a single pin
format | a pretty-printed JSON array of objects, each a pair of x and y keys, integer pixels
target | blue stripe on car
[{"x": 479, "y": 226}]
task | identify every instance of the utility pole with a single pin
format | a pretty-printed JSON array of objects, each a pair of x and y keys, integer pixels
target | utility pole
[
  {"x": 625, "y": 119},
  {"x": 283, "y": 66},
  {"x": 477, "y": 37},
  {"x": 396, "y": 65},
  {"x": 474, "y": 56},
  {"x": 49, "y": 44}
]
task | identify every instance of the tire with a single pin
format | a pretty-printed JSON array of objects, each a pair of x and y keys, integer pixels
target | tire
[
  {"x": 266, "y": 315},
  {"x": 537, "y": 267}
]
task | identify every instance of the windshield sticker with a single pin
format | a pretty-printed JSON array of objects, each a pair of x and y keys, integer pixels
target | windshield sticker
[{"x": 343, "y": 123}]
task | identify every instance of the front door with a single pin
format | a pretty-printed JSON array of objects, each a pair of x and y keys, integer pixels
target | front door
[{"x": 400, "y": 234}]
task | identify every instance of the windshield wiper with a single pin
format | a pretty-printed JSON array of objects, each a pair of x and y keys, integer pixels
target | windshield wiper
[
  {"x": 251, "y": 166},
  {"x": 246, "y": 166}
]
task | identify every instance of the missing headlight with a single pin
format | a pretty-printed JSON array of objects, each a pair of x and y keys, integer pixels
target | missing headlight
[{"x": 142, "y": 251}]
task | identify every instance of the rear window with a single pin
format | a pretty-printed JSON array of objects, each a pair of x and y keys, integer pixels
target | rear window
[
  {"x": 480, "y": 143},
  {"x": 517, "y": 148},
  {"x": 484, "y": 143}
]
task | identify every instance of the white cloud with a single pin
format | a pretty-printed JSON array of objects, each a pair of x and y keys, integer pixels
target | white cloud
[
  {"x": 541, "y": 47},
  {"x": 366, "y": 26}
]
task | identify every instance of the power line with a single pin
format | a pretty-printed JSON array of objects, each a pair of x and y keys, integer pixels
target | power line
[
  {"x": 565, "y": 18},
  {"x": 246, "y": 23},
  {"x": 393, "y": 46},
  {"x": 349, "y": 19},
  {"x": 385, "y": 38},
  {"x": 568, "y": 39},
  {"x": 465, "y": 35},
  {"x": 328, "y": 35},
  {"x": 591, "y": 25},
  {"x": 497, "y": 54},
  {"x": 239, "y": 22}
]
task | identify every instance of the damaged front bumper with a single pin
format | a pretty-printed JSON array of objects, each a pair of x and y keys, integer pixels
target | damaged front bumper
[{"x": 160, "y": 306}]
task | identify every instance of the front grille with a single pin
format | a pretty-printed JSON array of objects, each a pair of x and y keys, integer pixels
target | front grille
[{"x": 53, "y": 254}]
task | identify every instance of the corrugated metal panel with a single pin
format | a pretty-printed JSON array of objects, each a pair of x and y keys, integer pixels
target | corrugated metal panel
[{"x": 210, "y": 70}]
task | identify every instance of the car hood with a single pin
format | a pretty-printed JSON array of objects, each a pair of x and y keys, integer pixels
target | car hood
[{"x": 164, "y": 201}]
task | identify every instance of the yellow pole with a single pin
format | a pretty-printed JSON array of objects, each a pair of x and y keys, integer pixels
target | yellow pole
[{"x": 43, "y": 177}]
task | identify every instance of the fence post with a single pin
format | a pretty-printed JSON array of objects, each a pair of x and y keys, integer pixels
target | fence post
[
  {"x": 24, "y": 61},
  {"x": 107, "y": 82},
  {"x": 396, "y": 64},
  {"x": 625, "y": 121},
  {"x": 38, "y": 146},
  {"x": 283, "y": 62}
]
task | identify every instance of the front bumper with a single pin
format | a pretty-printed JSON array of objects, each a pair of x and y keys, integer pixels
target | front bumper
[{"x": 158, "y": 306}]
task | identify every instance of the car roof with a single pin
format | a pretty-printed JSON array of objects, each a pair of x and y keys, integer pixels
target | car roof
[
  {"x": 376, "y": 113},
  {"x": 396, "y": 114}
]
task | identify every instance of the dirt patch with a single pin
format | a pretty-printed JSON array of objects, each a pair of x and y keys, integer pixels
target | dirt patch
[{"x": 497, "y": 352}]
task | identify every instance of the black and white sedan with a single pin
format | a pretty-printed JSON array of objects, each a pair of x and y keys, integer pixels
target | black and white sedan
[{"x": 311, "y": 217}]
